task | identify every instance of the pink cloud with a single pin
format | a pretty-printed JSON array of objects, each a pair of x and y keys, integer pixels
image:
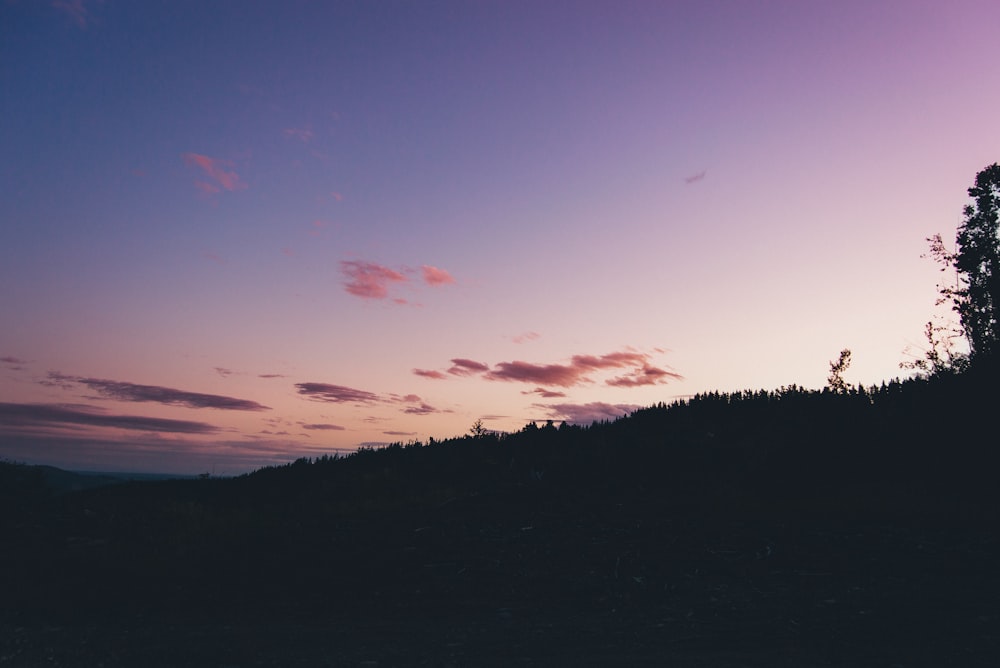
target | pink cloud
[
  {"x": 288, "y": 252},
  {"x": 545, "y": 374},
  {"x": 428, "y": 373},
  {"x": 337, "y": 394},
  {"x": 589, "y": 412},
  {"x": 421, "y": 409},
  {"x": 647, "y": 375},
  {"x": 548, "y": 394},
  {"x": 464, "y": 367},
  {"x": 324, "y": 427},
  {"x": 215, "y": 169},
  {"x": 694, "y": 178},
  {"x": 369, "y": 280},
  {"x": 527, "y": 336},
  {"x": 576, "y": 372},
  {"x": 435, "y": 276},
  {"x": 337, "y": 196}
]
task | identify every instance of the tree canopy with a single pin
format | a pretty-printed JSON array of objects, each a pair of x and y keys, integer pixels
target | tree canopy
[{"x": 976, "y": 260}]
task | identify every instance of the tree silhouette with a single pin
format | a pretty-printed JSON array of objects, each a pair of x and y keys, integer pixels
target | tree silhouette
[
  {"x": 836, "y": 379},
  {"x": 976, "y": 260}
]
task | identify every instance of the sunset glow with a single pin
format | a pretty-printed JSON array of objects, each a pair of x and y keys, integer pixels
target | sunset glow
[{"x": 239, "y": 233}]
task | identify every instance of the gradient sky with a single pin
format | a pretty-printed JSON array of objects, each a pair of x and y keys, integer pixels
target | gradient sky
[{"x": 239, "y": 232}]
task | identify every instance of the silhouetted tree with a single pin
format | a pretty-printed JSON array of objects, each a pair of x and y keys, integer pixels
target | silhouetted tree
[
  {"x": 976, "y": 260},
  {"x": 836, "y": 379}
]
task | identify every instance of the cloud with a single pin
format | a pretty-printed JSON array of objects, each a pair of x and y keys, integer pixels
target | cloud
[
  {"x": 14, "y": 363},
  {"x": 337, "y": 394},
  {"x": 464, "y": 367},
  {"x": 302, "y": 134},
  {"x": 56, "y": 379},
  {"x": 418, "y": 406},
  {"x": 694, "y": 178},
  {"x": 422, "y": 409},
  {"x": 580, "y": 366},
  {"x": 37, "y": 415},
  {"x": 647, "y": 375},
  {"x": 323, "y": 427},
  {"x": 224, "y": 372},
  {"x": 215, "y": 169},
  {"x": 548, "y": 394},
  {"x": 122, "y": 391},
  {"x": 589, "y": 412},
  {"x": 428, "y": 373},
  {"x": 525, "y": 337},
  {"x": 434, "y": 276},
  {"x": 369, "y": 280},
  {"x": 337, "y": 197},
  {"x": 271, "y": 375},
  {"x": 400, "y": 433},
  {"x": 546, "y": 374}
]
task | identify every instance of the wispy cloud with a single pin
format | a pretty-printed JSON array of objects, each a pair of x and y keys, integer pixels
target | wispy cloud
[
  {"x": 646, "y": 375},
  {"x": 547, "y": 394},
  {"x": 224, "y": 372},
  {"x": 525, "y": 337},
  {"x": 41, "y": 415},
  {"x": 465, "y": 367},
  {"x": 589, "y": 412},
  {"x": 122, "y": 391},
  {"x": 271, "y": 375},
  {"x": 336, "y": 394},
  {"x": 578, "y": 371},
  {"x": 13, "y": 363},
  {"x": 580, "y": 366},
  {"x": 323, "y": 427},
  {"x": 694, "y": 178},
  {"x": 430, "y": 373},
  {"x": 215, "y": 169},
  {"x": 417, "y": 406},
  {"x": 369, "y": 280},
  {"x": 400, "y": 433},
  {"x": 434, "y": 276},
  {"x": 302, "y": 134}
]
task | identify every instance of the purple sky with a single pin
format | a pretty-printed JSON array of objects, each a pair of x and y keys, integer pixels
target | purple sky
[{"x": 235, "y": 232}]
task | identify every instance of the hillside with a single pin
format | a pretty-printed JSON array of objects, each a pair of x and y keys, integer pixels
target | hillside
[{"x": 792, "y": 527}]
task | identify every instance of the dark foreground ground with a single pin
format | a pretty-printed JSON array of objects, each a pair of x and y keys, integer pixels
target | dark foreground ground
[{"x": 514, "y": 575}]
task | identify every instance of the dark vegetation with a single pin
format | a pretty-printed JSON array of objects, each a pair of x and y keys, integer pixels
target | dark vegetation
[{"x": 845, "y": 527}]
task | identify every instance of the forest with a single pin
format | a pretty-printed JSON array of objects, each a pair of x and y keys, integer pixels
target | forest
[{"x": 843, "y": 526}]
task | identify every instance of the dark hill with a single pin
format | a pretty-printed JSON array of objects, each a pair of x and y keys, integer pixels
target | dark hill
[{"x": 792, "y": 528}]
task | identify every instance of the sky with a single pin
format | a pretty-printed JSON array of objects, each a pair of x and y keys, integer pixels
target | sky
[{"x": 234, "y": 233}]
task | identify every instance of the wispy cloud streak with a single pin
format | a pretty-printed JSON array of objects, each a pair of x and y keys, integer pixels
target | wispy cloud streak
[
  {"x": 216, "y": 170},
  {"x": 336, "y": 394},
  {"x": 122, "y": 391},
  {"x": 40, "y": 415},
  {"x": 369, "y": 280}
]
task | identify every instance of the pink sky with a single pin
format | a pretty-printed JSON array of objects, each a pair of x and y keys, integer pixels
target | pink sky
[{"x": 237, "y": 237}]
